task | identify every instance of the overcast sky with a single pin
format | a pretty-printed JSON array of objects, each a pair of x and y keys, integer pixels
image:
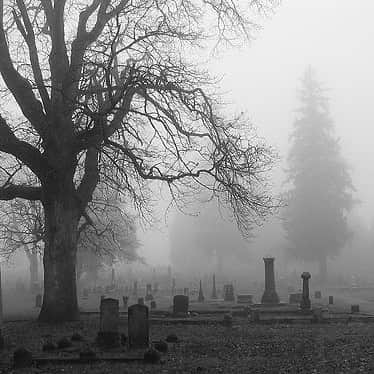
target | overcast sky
[{"x": 335, "y": 37}]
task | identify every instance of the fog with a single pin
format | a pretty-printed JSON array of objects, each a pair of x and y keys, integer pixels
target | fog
[{"x": 262, "y": 79}]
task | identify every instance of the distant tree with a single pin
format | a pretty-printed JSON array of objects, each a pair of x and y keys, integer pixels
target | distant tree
[
  {"x": 320, "y": 195},
  {"x": 209, "y": 237},
  {"x": 106, "y": 235},
  {"x": 21, "y": 228},
  {"x": 110, "y": 238}
]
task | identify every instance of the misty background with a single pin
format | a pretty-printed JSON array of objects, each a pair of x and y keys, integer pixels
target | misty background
[{"x": 262, "y": 80}]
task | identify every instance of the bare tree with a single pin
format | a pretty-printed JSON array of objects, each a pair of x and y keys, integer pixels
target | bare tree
[
  {"x": 109, "y": 90},
  {"x": 21, "y": 228}
]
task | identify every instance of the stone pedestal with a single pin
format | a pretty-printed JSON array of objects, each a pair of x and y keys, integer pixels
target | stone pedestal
[
  {"x": 305, "y": 301},
  {"x": 180, "y": 305},
  {"x": 138, "y": 326},
  {"x": 200, "y": 298},
  {"x": 148, "y": 292},
  {"x": 108, "y": 335},
  {"x": 214, "y": 290},
  {"x": 270, "y": 296}
]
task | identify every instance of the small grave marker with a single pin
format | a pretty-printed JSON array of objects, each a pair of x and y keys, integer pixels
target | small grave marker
[
  {"x": 109, "y": 322},
  {"x": 200, "y": 298},
  {"x": 228, "y": 292},
  {"x": 180, "y": 305},
  {"x": 138, "y": 325},
  {"x": 355, "y": 308},
  {"x": 141, "y": 300}
]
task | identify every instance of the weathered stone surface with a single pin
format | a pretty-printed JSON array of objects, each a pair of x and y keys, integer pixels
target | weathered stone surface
[
  {"x": 201, "y": 297},
  {"x": 109, "y": 321},
  {"x": 355, "y": 308},
  {"x": 22, "y": 358},
  {"x": 228, "y": 292},
  {"x": 138, "y": 326},
  {"x": 180, "y": 304},
  {"x": 270, "y": 295},
  {"x": 305, "y": 301}
]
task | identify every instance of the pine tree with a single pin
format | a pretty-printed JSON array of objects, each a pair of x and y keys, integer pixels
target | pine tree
[{"x": 320, "y": 195}]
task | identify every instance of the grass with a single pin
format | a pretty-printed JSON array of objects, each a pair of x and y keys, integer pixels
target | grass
[{"x": 243, "y": 348}]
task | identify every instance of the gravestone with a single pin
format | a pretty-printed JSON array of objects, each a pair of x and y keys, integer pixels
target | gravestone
[
  {"x": 138, "y": 326},
  {"x": 331, "y": 300},
  {"x": 355, "y": 308},
  {"x": 125, "y": 300},
  {"x": 295, "y": 298},
  {"x": 214, "y": 290},
  {"x": 317, "y": 294},
  {"x": 180, "y": 305},
  {"x": 244, "y": 299},
  {"x": 305, "y": 301},
  {"x": 200, "y": 298},
  {"x": 141, "y": 300},
  {"x": 228, "y": 293},
  {"x": 108, "y": 335},
  {"x": 85, "y": 293},
  {"x": 148, "y": 292},
  {"x": 38, "y": 301},
  {"x": 270, "y": 295}
]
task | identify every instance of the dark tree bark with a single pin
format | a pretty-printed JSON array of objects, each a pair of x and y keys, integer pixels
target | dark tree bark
[
  {"x": 89, "y": 115},
  {"x": 61, "y": 235}
]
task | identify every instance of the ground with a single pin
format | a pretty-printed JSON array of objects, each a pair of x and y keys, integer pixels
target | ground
[{"x": 242, "y": 348}]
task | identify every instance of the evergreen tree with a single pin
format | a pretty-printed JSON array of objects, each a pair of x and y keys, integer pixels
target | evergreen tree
[{"x": 320, "y": 195}]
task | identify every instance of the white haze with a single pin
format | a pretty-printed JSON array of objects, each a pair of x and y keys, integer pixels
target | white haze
[{"x": 333, "y": 36}]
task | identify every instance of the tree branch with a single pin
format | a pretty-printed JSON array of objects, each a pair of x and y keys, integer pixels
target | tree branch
[
  {"x": 90, "y": 178},
  {"x": 23, "y": 151},
  {"x": 29, "y": 36},
  {"x": 12, "y": 191},
  {"x": 19, "y": 86}
]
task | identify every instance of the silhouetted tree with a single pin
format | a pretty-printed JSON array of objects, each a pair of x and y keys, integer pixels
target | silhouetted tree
[
  {"x": 320, "y": 194},
  {"x": 109, "y": 91},
  {"x": 209, "y": 237}
]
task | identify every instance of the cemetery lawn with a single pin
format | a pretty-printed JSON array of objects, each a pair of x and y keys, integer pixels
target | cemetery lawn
[{"x": 243, "y": 348}]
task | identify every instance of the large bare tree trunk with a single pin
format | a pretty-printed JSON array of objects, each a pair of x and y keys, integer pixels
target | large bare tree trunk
[{"x": 61, "y": 225}]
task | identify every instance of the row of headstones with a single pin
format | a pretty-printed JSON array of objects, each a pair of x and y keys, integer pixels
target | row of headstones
[
  {"x": 138, "y": 324},
  {"x": 100, "y": 289}
]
